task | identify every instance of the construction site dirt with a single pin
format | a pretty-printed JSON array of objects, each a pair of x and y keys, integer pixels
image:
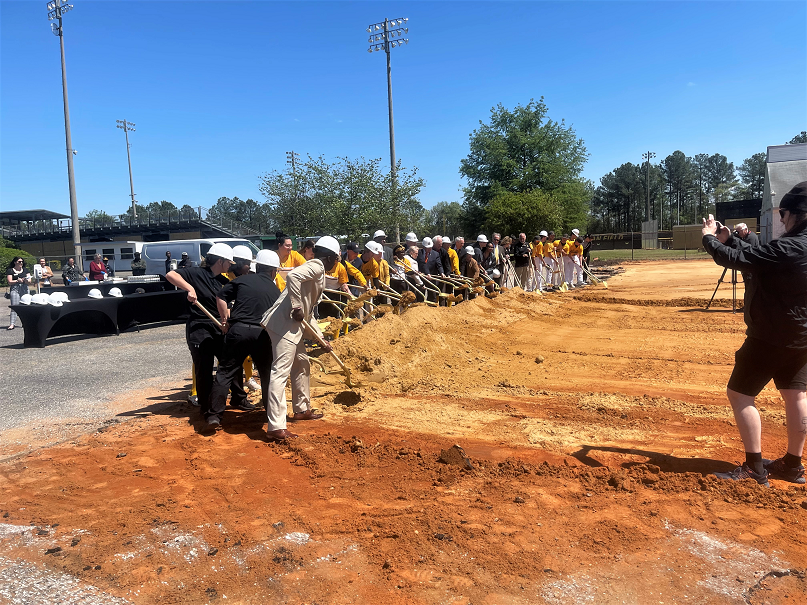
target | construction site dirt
[{"x": 527, "y": 449}]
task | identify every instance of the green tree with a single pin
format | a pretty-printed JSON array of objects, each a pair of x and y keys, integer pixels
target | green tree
[
  {"x": 799, "y": 138},
  {"x": 752, "y": 174},
  {"x": 445, "y": 218},
  {"x": 98, "y": 218},
  {"x": 518, "y": 151},
  {"x": 515, "y": 212}
]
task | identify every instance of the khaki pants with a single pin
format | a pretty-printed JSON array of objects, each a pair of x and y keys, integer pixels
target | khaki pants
[{"x": 289, "y": 359}]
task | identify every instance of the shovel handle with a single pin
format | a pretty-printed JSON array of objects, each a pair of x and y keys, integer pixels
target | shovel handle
[
  {"x": 208, "y": 313},
  {"x": 322, "y": 342}
]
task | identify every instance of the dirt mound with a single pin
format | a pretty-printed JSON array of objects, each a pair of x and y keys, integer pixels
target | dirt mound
[{"x": 686, "y": 301}]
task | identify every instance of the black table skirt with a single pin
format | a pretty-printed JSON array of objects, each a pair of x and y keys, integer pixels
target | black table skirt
[{"x": 106, "y": 315}]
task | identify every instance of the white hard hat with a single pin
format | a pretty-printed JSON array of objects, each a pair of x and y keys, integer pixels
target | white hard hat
[
  {"x": 40, "y": 299},
  {"x": 374, "y": 247},
  {"x": 55, "y": 301},
  {"x": 62, "y": 296},
  {"x": 379, "y": 233},
  {"x": 483, "y": 239},
  {"x": 95, "y": 293},
  {"x": 469, "y": 249},
  {"x": 427, "y": 242},
  {"x": 25, "y": 299},
  {"x": 115, "y": 292},
  {"x": 222, "y": 250},
  {"x": 242, "y": 252},
  {"x": 495, "y": 273},
  {"x": 543, "y": 234},
  {"x": 329, "y": 243},
  {"x": 446, "y": 239},
  {"x": 411, "y": 237},
  {"x": 576, "y": 231},
  {"x": 268, "y": 258}
]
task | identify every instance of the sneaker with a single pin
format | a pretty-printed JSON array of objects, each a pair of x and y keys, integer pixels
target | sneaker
[
  {"x": 777, "y": 470},
  {"x": 745, "y": 472},
  {"x": 252, "y": 385},
  {"x": 193, "y": 400},
  {"x": 245, "y": 406}
]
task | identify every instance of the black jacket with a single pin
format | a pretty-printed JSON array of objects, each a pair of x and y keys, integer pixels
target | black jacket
[
  {"x": 776, "y": 295},
  {"x": 431, "y": 265},
  {"x": 521, "y": 253}
]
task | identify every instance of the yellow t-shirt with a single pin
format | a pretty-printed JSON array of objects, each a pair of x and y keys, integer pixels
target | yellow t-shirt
[
  {"x": 370, "y": 269},
  {"x": 549, "y": 249},
  {"x": 339, "y": 272},
  {"x": 575, "y": 249},
  {"x": 354, "y": 273},
  {"x": 383, "y": 271},
  {"x": 280, "y": 282},
  {"x": 295, "y": 259},
  {"x": 537, "y": 249}
]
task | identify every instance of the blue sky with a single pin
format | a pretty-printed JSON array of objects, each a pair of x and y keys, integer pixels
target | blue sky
[{"x": 219, "y": 91}]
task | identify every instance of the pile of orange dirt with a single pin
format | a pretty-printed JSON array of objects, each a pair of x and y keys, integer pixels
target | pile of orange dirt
[{"x": 523, "y": 450}]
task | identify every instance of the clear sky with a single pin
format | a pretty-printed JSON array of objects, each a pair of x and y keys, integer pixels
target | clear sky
[{"x": 219, "y": 91}]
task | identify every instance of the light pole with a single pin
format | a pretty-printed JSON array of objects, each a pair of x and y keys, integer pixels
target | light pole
[
  {"x": 127, "y": 128},
  {"x": 292, "y": 158},
  {"x": 382, "y": 37},
  {"x": 648, "y": 156},
  {"x": 57, "y": 8}
]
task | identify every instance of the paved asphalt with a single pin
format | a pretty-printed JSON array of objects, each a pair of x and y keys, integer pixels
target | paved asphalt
[{"x": 74, "y": 377}]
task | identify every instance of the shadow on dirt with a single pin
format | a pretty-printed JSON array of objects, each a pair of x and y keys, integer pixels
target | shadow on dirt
[{"x": 667, "y": 463}]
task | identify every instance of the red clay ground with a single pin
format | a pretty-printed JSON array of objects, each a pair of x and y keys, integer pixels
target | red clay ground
[{"x": 591, "y": 420}]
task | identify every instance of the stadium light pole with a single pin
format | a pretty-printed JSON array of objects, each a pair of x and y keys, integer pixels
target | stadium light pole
[
  {"x": 127, "y": 128},
  {"x": 57, "y": 8},
  {"x": 383, "y": 37},
  {"x": 648, "y": 156}
]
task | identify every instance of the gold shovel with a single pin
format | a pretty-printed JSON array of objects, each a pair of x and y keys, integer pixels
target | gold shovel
[{"x": 322, "y": 343}]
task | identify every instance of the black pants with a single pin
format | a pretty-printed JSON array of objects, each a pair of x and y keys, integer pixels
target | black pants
[
  {"x": 206, "y": 344},
  {"x": 242, "y": 340}
]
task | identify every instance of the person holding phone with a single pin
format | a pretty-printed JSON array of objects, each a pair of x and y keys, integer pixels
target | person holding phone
[{"x": 775, "y": 347}]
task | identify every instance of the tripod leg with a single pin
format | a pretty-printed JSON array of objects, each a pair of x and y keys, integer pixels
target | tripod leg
[{"x": 719, "y": 281}]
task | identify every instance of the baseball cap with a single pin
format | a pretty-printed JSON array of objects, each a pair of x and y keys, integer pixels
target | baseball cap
[{"x": 352, "y": 246}]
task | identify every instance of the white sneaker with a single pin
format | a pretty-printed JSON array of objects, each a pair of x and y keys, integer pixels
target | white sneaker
[{"x": 252, "y": 385}]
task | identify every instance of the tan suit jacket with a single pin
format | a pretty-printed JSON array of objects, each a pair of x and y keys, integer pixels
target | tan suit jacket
[{"x": 304, "y": 287}]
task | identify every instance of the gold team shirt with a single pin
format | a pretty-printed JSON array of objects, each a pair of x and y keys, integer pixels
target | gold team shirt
[
  {"x": 295, "y": 259},
  {"x": 370, "y": 269},
  {"x": 575, "y": 249},
  {"x": 383, "y": 271},
  {"x": 280, "y": 282},
  {"x": 549, "y": 249},
  {"x": 537, "y": 249}
]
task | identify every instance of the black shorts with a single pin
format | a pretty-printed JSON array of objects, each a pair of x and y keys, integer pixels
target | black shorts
[{"x": 757, "y": 361}]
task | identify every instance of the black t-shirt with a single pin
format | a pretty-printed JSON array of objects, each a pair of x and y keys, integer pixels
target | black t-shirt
[
  {"x": 252, "y": 294},
  {"x": 207, "y": 286}
]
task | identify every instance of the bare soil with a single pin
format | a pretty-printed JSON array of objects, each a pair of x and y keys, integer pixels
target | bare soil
[{"x": 588, "y": 424}]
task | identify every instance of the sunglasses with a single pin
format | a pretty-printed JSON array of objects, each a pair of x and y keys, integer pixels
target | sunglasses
[{"x": 782, "y": 213}]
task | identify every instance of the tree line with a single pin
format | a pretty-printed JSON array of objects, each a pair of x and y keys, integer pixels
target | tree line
[{"x": 682, "y": 189}]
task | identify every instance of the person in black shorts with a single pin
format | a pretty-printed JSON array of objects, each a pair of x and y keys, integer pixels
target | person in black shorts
[
  {"x": 204, "y": 338},
  {"x": 776, "y": 344}
]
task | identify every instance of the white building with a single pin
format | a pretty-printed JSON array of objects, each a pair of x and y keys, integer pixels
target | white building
[{"x": 786, "y": 166}]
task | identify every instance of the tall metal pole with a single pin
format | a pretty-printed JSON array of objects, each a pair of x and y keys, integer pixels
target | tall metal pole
[
  {"x": 127, "y": 126},
  {"x": 648, "y": 157},
  {"x": 385, "y": 42},
  {"x": 392, "y": 162},
  {"x": 55, "y": 11}
]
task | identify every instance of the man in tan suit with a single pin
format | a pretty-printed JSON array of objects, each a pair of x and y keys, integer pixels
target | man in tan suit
[{"x": 283, "y": 322}]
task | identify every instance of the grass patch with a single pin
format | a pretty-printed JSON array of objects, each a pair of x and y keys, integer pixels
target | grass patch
[{"x": 622, "y": 255}]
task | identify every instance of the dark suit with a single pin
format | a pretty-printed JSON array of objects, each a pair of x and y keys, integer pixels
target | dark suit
[{"x": 431, "y": 265}]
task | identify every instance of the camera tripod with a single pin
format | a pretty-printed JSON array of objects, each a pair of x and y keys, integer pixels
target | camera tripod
[{"x": 733, "y": 289}]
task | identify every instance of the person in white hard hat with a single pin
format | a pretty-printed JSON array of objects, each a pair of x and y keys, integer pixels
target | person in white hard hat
[
  {"x": 429, "y": 263},
  {"x": 205, "y": 340},
  {"x": 284, "y": 323},
  {"x": 242, "y": 255},
  {"x": 250, "y": 295},
  {"x": 381, "y": 238}
]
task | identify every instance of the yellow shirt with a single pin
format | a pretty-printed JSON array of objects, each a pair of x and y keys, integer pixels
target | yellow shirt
[
  {"x": 339, "y": 272},
  {"x": 576, "y": 249},
  {"x": 370, "y": 269},
  {"x": 280, "y": 282},
  {"x": 383, "y": 271},
  {"x": 454, "y": 260},
  {"x": 548, "y": 249},
  {"x": 537, "y": 249},
  {"x": 354, "y": 273},
  {"x": 295, "y": 259}
]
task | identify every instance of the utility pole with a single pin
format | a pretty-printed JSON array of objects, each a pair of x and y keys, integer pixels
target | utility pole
[
  {"x": 57, "y": 8},
  {"x": 291, "y": 159},
  {"x": 127, "y": 127},
  {"x": 648, "y": 156},
  {"x": 389, "y": 29}
]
